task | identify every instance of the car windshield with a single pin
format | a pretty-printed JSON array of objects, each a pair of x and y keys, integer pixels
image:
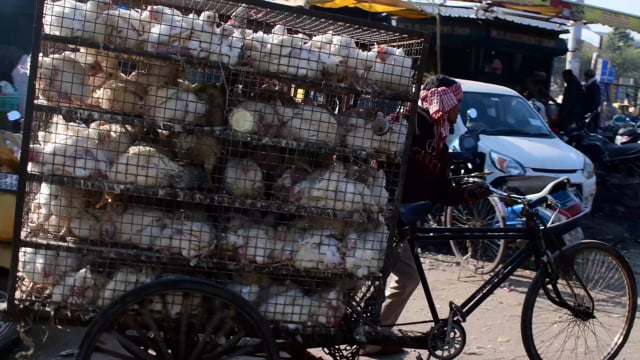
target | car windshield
[{"x": 499, "y": 114}]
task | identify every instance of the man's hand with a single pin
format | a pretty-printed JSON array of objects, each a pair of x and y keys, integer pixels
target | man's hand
[{"x": 476, "y": 191}]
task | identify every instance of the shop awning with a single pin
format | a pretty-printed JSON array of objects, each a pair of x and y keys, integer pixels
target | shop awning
[{"x": 550, "y": 9}]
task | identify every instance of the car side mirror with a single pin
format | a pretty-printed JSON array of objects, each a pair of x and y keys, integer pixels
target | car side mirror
[{"x": 472, "y": 114}]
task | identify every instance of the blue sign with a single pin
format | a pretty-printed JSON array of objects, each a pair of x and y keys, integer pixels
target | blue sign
[{"x": 607, "y": 72}]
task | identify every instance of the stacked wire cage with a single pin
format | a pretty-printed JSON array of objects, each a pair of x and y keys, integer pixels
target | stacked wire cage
[{"x": 250, "y": 144}]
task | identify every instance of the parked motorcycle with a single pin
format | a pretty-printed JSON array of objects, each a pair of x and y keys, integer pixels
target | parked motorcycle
[
  {"x": 628, "y": 135},
  {"x": 614, "y": 163}
]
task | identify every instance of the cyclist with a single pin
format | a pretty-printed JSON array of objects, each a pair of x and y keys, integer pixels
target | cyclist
[{"x": 427, "y": 179}]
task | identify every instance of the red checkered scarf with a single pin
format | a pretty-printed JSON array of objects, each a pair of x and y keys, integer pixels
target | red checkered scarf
[{"x": 439, "y": 101}]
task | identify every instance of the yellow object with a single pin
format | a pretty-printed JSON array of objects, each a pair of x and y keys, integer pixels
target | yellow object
[
  {"x": 392, "y": 7},
  {"x": 7, "y": 212}
]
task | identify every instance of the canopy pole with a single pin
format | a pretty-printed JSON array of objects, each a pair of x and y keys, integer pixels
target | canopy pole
[{"x": 439, "y": 64}]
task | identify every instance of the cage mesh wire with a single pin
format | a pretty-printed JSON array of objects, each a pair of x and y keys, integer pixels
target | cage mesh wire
[{"x": 253, "y": 145}]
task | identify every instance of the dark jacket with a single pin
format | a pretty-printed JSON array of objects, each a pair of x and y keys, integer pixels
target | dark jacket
[
  {"x": 572, "y": 108},
  {"x": 427, "y": 177},
  {"x": 592, "y": 97}
]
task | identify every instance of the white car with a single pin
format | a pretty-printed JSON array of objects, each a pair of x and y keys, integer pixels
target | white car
[{"x": 517, "y": 141}]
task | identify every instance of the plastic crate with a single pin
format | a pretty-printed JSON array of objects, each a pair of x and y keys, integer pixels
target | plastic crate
[{"x": 9, "y": 102}]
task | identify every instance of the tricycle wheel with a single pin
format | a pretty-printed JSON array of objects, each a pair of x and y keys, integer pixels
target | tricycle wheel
[
  {"x": 178, "y": 318},
  {"x": 9, "y": 333}
]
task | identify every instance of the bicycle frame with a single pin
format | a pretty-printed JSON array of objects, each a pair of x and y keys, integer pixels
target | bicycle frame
[
  {"x": 535, "y": 247},
  {"x": 490, "y": 285}
]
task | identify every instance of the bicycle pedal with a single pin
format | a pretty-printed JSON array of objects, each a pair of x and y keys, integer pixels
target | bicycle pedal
[{"x": 454, "y": 308}]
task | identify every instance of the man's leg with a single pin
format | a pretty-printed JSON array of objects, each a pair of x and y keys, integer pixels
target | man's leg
[
  {"x": 401, "y": 287},
  {"x": 402, "y": 283}
]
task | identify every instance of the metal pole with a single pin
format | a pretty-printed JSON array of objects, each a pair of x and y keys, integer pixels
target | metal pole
[{"x": 575, "y": 37}]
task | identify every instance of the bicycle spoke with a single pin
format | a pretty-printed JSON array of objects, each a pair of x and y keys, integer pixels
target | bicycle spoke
[{"x": 587, "y": 313}]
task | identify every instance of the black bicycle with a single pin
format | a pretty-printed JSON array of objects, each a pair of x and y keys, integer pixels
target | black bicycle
[{"x": 581, "y": 303}]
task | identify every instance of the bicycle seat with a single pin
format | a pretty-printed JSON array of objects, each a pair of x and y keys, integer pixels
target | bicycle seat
[{"x": 413, "y": 212}]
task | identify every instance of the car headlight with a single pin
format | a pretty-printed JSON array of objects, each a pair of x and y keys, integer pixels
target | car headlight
[
  {"x": 588, "y": 171},
  {"x": 506, "y": 164}
]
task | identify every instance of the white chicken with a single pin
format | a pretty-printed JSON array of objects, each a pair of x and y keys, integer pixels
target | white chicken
[
  {"x": 291, "y": 177},
  {"x": 255, "y": 117},
  {"x": 122, "y": 96},
  {"x": 396, "y": 138},
  {"x": 288, "y": 244},
  {"x": 375, "y": 181},
  {"x": 326, "y": 307},
  {"x": 101, "y": 67},
  {"x": 249, "y": 291},
  {"x": 320, "y": 250},
  {"x": 114, "y": 139},
  {"x": 43, "y": 267},
  {"x": 354, "y": 63},
  {"x": 173, "y": 105},
  {"x": 144, "y": 166},
  {"x": 285, "y": 303},
  {"x": 187, "y": 238},
  {"x": 392, "y": 70},
  {"x": 75, "y": 19},
  {"x": 76, "y": 288},
  {"x": 53, "y": 208},
  {"x": 140, "y": 226},
  {"x": 362, "y": 129},
  {"x": 250, "y": 242},
  {"x": 86, "y": 223},
  {"x": 366, "y": 250},
  {"x": 219, "y": 44},
  {"x": 154, "y": 14},
  {"x": 378, "y": 188},
  {"x": 300, "y": 192},
  {"x": 169, "y": 30},
  {"x": 71, "y": 156},
  {"x": 124, "y": 27},
  {"x": 257, "y": 52},
  {"x": 308, "y": 123},
  {"x": 334, "y": 190},
  {"x": 231, "y": 47},
  {"x": 333, "y": 66},
  {"x": 243, "y": 177},
  {"x": 289, "y": 304},
  {"x": 62, "y": 79},
  {"x": 123, "y": 280}
]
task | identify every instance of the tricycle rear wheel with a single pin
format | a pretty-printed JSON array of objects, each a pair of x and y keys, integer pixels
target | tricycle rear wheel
[{"x": 178, "y": 318}]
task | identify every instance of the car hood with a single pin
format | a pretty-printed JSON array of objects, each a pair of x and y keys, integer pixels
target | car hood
[{"x": 538, "y": 153}]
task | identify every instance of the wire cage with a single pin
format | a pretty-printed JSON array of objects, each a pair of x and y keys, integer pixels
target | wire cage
[{"x": 251, "y": 144}]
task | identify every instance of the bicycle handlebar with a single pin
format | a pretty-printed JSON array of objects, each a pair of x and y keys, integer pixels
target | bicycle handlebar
[{"x": 533, "y": 200}]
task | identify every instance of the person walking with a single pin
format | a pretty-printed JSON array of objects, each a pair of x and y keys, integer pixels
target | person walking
[
  {"x": 572, "y": 106},
  {"x": 427, "y": 179},
  {"x": 592, "y": 99},
  {"x": 535, "y": 91}
]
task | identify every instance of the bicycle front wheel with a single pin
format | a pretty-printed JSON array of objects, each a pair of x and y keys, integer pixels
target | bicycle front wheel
[
  {"x": 481, "y": 256},
  {"x": 585, "y": 310}
]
